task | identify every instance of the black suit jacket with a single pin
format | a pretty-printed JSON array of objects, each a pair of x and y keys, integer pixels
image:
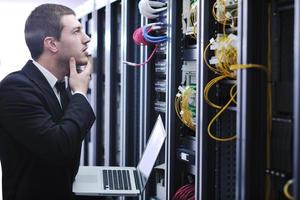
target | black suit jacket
[{"x": 39, "y": 144}]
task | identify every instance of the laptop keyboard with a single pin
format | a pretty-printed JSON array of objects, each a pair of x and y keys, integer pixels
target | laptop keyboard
[{"x": 116, "y": 179}]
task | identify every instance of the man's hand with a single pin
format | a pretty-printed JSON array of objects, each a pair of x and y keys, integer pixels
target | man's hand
[{"x": 79, "y": 82}]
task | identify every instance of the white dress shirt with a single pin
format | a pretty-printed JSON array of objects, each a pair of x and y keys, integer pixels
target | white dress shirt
[{"x": 52, "y": 80}]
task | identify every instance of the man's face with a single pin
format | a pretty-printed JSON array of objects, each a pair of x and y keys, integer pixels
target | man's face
[{"x": 73, "y": 41}]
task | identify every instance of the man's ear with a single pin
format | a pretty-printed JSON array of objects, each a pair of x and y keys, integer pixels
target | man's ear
[{"x": 50, "y": 44}]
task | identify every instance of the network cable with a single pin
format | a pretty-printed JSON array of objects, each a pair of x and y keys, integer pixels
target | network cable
[
  {"x": 189, "y": 18},
  {"x": 286, "y": 189},
  {"x": 224, "y": 62},
  {"x": 185, "y": 101},
  {"x": 185, "y": 192},
  {"x": 149, "y": 9},
  {"x": 222, "y": 14},
  {"x": 141, "y": 37}
]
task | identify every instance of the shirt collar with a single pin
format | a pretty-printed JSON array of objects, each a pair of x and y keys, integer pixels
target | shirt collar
[{"x": 48, "y": 75}]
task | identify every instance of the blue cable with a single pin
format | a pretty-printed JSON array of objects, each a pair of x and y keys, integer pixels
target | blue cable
[{"x": 153, "y": 39}]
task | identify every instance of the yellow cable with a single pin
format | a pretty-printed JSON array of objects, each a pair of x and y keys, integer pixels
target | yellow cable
[
  {"x": 231, "y": 94},
  {"x": 223, "y": 19},
  {"x": 269, "y": 103},
  {"x": 206, "y": 62},
  {"x": 226, "y": 55},
  {"x": 177, "y": 105},
  {"x": 182, "y": 108},
  {"x": 207, "y": 88},
  {"x": 186, "y": 113},
  {"x": 215, "y": 117},
  {"x": 226, "y": 65},
  {"x": 245, "y": 66},
  {"x": 232, "y": 98},
  {"x": 193, "y": 16},
  {"x": 286, "y": 189}
]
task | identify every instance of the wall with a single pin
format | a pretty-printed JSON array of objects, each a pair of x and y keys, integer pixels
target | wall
[{"x": 13, "y": 50}]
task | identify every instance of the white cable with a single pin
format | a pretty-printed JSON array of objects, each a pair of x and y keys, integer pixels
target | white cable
[
  {"x": 146, "y": 14},
  {"x": 150, "y": 9},
  {"x": 156, "y": 4},
  {"x": 149, "y": 12},
  {"x": 155, "y": 25}
]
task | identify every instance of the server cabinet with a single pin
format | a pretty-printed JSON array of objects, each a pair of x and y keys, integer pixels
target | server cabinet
[
  {"x": 296, "y": 143},
  {"x": 99, "y": 65},
  {"x": 130, "y": 85},
  {"x": 181, "y": 100},
  {"x": 230, "y": 132},
  {"x": 216, "y": 100},
  {"x": 152, "y": 98},
  {"x": 88, "y": 156},
  {"x": 252, "y": 101},
  {"x": 266, "y": 175}
]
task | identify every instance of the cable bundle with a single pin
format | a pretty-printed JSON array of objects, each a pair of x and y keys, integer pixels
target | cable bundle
[
  {"x": 189, "y": 18},
  {"x": 150, "y": 9},
  {"x": 186, "y": 192},
  {"x": 185, "y": 106},
  {"x": 224, "y": 64},
  {"x": 193, "y": 18},
  {"x": 223, "y": 14},
  {"x": 141, "y": 36},
  {"x": 225, "y": 47},
  {"x": 154, "y": 27}
]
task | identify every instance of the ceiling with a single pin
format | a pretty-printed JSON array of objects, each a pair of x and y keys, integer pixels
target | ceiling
[{"x": 70, "y": 3}]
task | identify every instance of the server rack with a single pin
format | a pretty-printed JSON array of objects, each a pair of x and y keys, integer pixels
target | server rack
[
  {"x": 215, "y": 155},
  {"x": 251, "y": 105},
  {"x": 99, "y": 65},
  {"x": 172, "y": 59},
  {"x": 296, "y": 150},
  {"x": 182, "y": 57},
  {"x": 282, "y": 69},
  {"x": 266, "y": 178},
  {"x": 129, "y": 86},
  {"x": 104, "y": 88},
  {"x": 89, "y": 144},
  {"x": 217, "y": 170},
  {"x": 153, "y": 92},
  {"x": 202, "y": 179}
]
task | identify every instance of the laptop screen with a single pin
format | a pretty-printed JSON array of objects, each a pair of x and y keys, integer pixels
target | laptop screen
[{"x": 154, "y": 144}]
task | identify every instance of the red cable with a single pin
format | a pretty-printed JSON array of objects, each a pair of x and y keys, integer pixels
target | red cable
[
  {"x": 140, "y": 40},
  {"x": 139, "y": 64},
  {"x": 186, "y": 192},
  {"x": 138, "y": 37}
]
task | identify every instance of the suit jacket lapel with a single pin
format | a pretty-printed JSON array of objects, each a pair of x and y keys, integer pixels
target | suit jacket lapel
[{"x": 34, "y": 74}]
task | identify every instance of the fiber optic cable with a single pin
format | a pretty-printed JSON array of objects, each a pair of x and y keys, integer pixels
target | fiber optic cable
[
  {"x": 184, "y": 110},
  {"x": 269, "y": 103},
  {"x": 286, "y": 189},
  {"x": 217, "y": 115}
]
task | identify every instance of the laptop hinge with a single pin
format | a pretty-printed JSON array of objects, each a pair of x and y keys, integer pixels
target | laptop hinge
[{"x": 139, "y": 181}]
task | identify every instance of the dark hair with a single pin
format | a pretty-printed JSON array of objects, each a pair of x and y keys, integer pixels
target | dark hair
[{"x": 44, "y": 21}]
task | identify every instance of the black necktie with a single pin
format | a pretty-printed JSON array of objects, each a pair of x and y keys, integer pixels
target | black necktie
[{"x": 61, "y": 88}]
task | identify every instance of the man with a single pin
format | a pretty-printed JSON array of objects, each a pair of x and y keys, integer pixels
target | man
[{"x": 42, "y": 124}]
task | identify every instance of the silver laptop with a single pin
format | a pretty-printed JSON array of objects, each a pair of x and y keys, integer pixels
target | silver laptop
[{"x": 119, "y": 181}]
